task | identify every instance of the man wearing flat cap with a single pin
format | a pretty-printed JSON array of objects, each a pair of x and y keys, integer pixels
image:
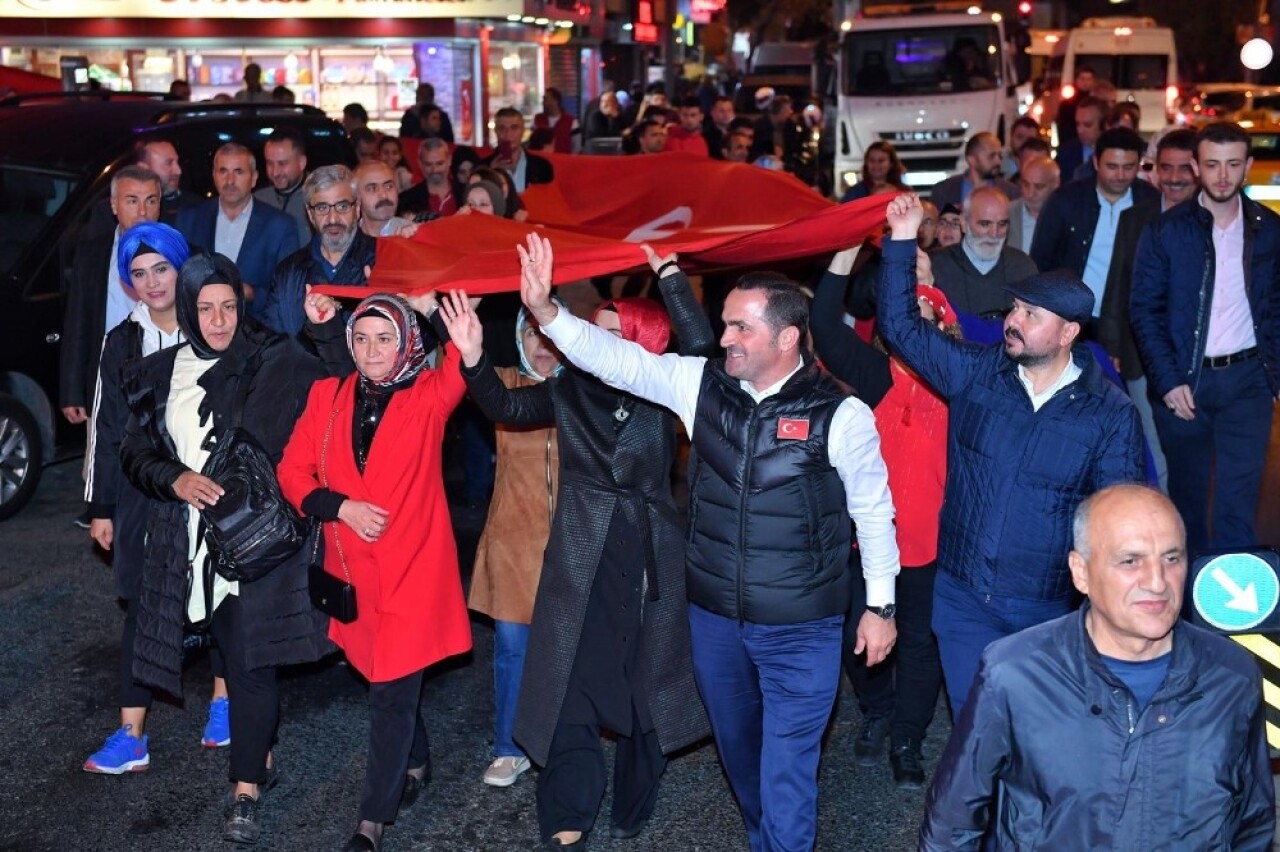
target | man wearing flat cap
[{"x": 1034, "y": 429}]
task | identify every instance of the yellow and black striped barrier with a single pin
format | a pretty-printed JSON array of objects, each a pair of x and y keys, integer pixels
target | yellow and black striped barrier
[{"x": 1267, "y": 653}]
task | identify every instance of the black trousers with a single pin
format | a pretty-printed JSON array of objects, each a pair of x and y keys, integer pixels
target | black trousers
[
  {"x": 254, "y": 695},
  {"x": 397, "y": 741},
  {"x": 132, "y": 693},
  {"x": 905, "y": 686},
  {"x": 571, "y": 785}
]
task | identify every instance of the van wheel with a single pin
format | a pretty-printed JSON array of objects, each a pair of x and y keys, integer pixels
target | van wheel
[{"x": 20, "y": 456}]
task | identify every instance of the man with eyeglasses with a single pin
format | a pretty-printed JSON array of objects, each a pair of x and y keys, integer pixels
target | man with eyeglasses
[{"x": 339, "y": 253}]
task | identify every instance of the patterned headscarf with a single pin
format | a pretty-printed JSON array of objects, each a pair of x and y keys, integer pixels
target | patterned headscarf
[
  {"x": 150, "y": 238},
  {"x": 643, "y": 321},
  {"x": 411, "y": 356}
]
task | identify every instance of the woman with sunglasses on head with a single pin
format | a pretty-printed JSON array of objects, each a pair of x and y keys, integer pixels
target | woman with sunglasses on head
[
  {"x": 230, "y": 371},
  {"x": 365, "y": 461}
]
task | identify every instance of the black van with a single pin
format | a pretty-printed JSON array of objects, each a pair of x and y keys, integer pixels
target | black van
[{"x": 57, "y": 156}]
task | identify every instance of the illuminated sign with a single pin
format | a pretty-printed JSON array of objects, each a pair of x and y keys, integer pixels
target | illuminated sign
[
  {"x": 267, "y": 9},
  {"x": 700, "y": 11},
  {"x": 645, "y": 30}
]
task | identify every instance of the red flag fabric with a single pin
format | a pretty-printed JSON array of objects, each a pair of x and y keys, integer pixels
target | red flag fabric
[
  {"x": 18, "y": 82},
  {"x": 599, "y": 210}
]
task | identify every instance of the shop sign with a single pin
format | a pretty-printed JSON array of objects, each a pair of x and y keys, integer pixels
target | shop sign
[
  {"x": 644, "y": 30},
  {"x": 267, "y": 9},
  {"x": 701, "y": 11}
]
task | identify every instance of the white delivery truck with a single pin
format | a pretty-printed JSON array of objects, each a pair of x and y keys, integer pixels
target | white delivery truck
[
  {"x": 925, "y": 77},
  {"x": 1137, "y": 56}
]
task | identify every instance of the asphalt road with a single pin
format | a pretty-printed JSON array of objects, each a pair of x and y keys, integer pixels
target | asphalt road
[{"x": 59, "y": 636}]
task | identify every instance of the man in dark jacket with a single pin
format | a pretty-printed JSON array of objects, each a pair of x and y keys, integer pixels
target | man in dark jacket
[
  {"x": 982, "y": 168},
  {"x": 97, "y": 300},
  {"x": 1033, "y": 429},
  {"x": 524, "y": 168},
  {"x": 974, "y": 273},
  {"x": 337, "y": 254},
  {"x": 1177, "y": 182},
  {"x": 1205, "y": 311},
  {"x": 1116, "y": 727},
  {"x": 781, "y": 460},
  {"x": 1077, "y": 227}
]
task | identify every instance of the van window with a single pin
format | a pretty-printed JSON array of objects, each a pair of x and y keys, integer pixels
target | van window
[
  {"x": 29, "y": 198},
  {"x": 1265, "y": 146},
  {"x": 1128, "y": 71},
  {"x": 929, "y": 61}
]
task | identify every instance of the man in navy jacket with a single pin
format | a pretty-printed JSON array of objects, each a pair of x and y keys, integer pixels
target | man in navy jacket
[
  {"x": 1117, "y": 727},
  {"x": 1205, "y": 311},
  {"x": 1034, "y": 428},
  {"x": 256, "y": 236}
]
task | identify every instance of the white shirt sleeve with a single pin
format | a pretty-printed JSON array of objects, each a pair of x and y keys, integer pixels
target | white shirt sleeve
[
  {"x": 672, "y": 381},
  {"x": 854, "y": 450}
]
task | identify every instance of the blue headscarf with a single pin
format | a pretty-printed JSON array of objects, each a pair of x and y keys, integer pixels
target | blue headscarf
[{"x": 147, "y": 238}]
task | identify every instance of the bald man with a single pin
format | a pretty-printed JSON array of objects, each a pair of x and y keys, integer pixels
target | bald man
[
  {"x": 1037, "y": 180},
  {"x": 1119, "y": 726}
]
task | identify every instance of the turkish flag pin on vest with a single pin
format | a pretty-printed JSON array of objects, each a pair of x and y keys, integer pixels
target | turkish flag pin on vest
[{"x": 793, "y": 430}]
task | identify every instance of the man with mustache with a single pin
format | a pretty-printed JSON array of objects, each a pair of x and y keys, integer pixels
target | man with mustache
[
  {"x": 339, "y": 253},
  {"x": 376, "y": 190},
  {"x": 1077, "y": 227},
  {"x": 1205, "y": 311},
  {"x": 435, "y": 194},
  {"x": 1116, "y": 727},
  {"x": 974, "y": 273},
  {"x": 1176, "y": 180},
  {"x": 1034, "y": 428}
]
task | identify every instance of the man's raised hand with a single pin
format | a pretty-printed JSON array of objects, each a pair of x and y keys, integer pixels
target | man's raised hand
[{"x": 905, "y": 215}]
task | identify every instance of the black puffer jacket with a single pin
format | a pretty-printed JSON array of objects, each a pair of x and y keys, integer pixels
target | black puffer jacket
[{"x": 280, "y": 626}]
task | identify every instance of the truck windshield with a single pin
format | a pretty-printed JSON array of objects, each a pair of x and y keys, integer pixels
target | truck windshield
[
  {"x": 28, "y": 199},
  {"x": 1128, "y": 70},
  {"x": 932, "y": 61}
]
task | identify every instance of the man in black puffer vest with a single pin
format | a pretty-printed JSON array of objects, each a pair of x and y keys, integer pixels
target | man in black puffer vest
[{"x": 781, "y": 460}]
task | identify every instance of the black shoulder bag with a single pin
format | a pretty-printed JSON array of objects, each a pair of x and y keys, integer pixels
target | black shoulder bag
[
  {"x": 252, "y": 528},
  {"x": 335, "y": 598}
]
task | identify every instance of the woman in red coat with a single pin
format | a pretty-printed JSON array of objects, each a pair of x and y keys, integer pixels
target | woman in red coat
[{"x": 365, "y": 460}]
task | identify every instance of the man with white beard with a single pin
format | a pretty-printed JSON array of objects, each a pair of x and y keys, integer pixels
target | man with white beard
[{"x": 975, "y": 273}]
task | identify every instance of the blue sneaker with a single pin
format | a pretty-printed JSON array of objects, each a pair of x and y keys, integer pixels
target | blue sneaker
[
  {"x": 217, "y": 731},
  {"x": 122, "y": 752}
]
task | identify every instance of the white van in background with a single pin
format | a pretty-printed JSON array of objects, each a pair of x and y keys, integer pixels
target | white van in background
[
  {"x": 924, "y": 77},
  {"x": 1135, "y": 54}
]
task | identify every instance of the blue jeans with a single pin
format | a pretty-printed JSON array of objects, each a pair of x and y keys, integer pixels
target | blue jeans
[
  {"x": 510, "y": 640},
  {"x": 967, "y": 621},
  {"x": 1216, "y": 460},
  {"x": 769, "y": 690}
]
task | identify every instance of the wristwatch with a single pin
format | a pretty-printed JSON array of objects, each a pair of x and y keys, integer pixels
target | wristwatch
[{"x": 886, "y": 612}]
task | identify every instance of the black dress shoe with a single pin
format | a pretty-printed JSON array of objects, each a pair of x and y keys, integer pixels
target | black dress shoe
[
  {"x": 412, "y": 788},
  {"x": 617, "y": 832},
  {"x": 360, "y": 843}
]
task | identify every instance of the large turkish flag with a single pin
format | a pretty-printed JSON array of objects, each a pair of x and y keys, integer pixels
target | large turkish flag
[{"x": 599, "y": 210}]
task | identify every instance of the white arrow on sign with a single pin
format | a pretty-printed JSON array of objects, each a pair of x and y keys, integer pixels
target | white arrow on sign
[{"x": 1245, "y": 600}]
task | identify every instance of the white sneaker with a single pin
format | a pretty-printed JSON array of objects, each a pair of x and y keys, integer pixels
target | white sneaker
[{"x": 504, "y": 771}]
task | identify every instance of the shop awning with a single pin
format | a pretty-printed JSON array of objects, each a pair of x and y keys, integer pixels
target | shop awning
[{"x": 15, "y": 81}]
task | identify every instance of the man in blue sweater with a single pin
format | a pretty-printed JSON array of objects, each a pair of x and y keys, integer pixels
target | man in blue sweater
[{"x": 1034, "y": 429}]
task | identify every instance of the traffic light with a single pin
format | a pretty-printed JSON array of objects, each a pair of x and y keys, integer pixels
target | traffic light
[{"x": 1024, "y": 11}]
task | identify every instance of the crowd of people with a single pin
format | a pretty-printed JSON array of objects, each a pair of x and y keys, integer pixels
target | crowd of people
[{"x": 924, "y": 508}]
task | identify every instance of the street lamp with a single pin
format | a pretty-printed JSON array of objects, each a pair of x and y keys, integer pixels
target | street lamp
[{"x": 1256, "y": 54}]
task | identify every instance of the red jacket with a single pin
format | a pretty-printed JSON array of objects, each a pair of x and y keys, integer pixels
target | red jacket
[
  {"x": 410, "y": 608},
  {"x": 912, "y": 422}
]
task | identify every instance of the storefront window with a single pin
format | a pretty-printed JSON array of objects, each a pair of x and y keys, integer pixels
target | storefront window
[
  {"x": 515, "y": 78},
  {"x": 213, "y": 73},
  {"x": 380, "y": 80}
]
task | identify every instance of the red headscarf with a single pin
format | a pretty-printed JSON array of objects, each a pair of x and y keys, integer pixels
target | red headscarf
[{"x": 643, "y": 321}]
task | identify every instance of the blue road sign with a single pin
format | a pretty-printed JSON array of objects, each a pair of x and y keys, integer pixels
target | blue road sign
[{"x": 1235, "y": 592}]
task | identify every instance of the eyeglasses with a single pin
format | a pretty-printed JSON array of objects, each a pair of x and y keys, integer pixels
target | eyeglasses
[{"x": 323, "y": 208}]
